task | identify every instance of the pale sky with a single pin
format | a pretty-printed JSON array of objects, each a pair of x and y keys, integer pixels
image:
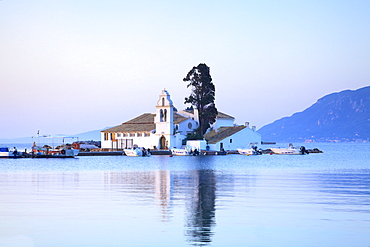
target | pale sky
[{"x": 73, "y": 66}]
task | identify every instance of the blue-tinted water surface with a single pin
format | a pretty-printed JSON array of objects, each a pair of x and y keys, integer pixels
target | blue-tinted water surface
[{"x": 234, "y": 200}]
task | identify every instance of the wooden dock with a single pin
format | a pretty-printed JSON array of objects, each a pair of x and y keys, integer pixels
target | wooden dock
[
  {"x": 101, "y": 153},
  {"x": 153, "y": 152},
  {"x": 112, "y": 153}
]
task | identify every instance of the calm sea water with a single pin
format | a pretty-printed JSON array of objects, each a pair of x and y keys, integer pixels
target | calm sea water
[{"x": 234, "y": 200}]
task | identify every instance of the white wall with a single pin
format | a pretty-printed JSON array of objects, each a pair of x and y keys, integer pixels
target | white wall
[
  {"x": 223, "y": 122},
  {"x": 240, "y": 139},
  {"x": 183, "y": 126},
  {"x": 178, "y": 140},
  {"x": 198, "y": 144},
  {"x": 141, "y": 141}
]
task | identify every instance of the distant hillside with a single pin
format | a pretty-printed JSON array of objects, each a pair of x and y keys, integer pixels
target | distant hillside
[
  {"x": 93, "y": 135},
  {"x": 343, "y": 116},
  {"x": 16, "y": 140}
]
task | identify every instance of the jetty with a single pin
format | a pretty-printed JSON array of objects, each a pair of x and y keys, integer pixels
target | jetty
[
  {"x": 104, "y": 152},
  {"x": 111, "y": 152}
]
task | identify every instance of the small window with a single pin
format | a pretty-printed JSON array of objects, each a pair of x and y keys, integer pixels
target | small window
[
  {"x": 118, "y": 134},
  {"x": 165, "y": 115},
  {"x": 190, "y": 126},
  {"x": 231, "y": 140},
  {"x": 160, "y": 115},
  {"x": 138, "y": 134}
]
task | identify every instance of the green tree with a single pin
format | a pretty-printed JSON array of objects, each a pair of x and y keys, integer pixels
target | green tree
[{"x": 202, "y": 96}]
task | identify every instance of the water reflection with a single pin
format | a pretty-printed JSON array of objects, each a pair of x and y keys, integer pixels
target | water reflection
[
  {"x": 108, "y": 201},
  {"x": 201, "y": 207},
  {"x": 143, "y": 186},
  {"x": 347, "y": 189},
  {"x": 197, "y": 188},
  {"x": 163, "y": 193}
]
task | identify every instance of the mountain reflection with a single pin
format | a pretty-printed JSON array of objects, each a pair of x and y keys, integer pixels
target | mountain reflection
[{"x": 201, "y": 208}]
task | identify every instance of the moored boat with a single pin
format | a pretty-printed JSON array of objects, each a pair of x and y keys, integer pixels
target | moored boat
[
  {"x": 136, "y": 151},
  {"x": 252, "y": 150},
  {"x": 49, "y": 152},
  {"x": 291, "y": 150},
  {"x": 184, "y": 152},
  {"x": 180, "y": 151},
  {"x": 5, "y": 152},
  {"x": 62, "y": 149}
]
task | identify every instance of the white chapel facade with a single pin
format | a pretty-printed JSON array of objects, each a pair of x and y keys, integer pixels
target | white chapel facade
[
  {"x": 164, "y": 121},
  {"x": 168, "y": 128}
]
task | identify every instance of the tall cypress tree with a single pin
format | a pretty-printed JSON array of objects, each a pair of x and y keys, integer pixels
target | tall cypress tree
[{"x": 202, "y": 96}]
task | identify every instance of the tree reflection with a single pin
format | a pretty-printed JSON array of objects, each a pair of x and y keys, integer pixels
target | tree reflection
[{"x": 201, "y": 208}]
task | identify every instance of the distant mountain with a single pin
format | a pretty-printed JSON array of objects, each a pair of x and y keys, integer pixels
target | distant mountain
[
  {"x": 16, "y": 140},
  {"x": 343, "y": 116},
  {"x": 93, "y": 135}
]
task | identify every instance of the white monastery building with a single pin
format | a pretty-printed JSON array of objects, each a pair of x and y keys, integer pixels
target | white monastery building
[{"x": 168, "y": 128}]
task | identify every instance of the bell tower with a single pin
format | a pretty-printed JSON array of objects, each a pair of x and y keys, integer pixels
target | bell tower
[{"x": 164, "y": 120}]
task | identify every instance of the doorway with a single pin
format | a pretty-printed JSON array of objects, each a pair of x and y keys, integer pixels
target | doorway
[{"x": 162, "y": 142}]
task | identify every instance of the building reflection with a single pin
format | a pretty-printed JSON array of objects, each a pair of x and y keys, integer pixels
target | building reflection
[
  {"x": 163, "y": 192},
  {"x": 144, "y": 184},
  {"x": 197, "y": 188},
  {"x": 201, "y": 208}
]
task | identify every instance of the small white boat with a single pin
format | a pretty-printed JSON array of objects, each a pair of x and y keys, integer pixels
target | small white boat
[
  {"x": 184, "y": 152},
  {"x": 250, "y": 151},
  {"x": 136, "y": 152},
  {"x": 5, "y": 152},
  {"x": 290, "y": 150},
  {"x": 180, "y": 151}
]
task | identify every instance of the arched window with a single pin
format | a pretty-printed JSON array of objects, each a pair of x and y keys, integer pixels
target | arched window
[
  {"x": 161, "y": 115},
  {"x": 162, "y": 101},
  {"x": 165, "y": 115}
]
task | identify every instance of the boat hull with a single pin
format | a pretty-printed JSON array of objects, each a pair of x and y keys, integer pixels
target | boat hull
[
  {"x": 136, "y": 152},
  {"x": 184, "y": 152},
  {"x": 6, "y": 153},
  {"x": 286, "y": 151},
  {"x": 248, "y": 152},
  {"x": 245, "y": 151},
  {"x": 54, "y": 153},
  {"x": 179, "y": 152},
  {"x": 132, "y": 153}
]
